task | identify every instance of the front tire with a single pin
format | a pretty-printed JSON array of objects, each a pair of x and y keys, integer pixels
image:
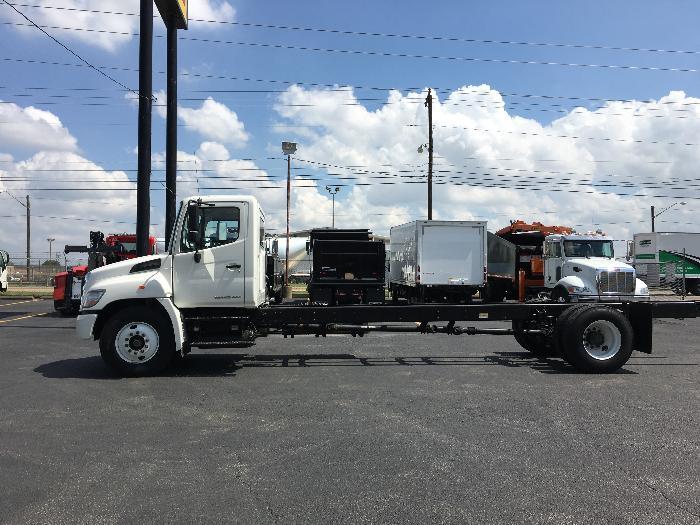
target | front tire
[
  {"x": 560, "y": 295},
  {"x": 137, "y": 341}
]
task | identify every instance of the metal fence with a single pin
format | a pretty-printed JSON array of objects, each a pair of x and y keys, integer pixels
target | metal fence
[{"x": 669, "y": 277}]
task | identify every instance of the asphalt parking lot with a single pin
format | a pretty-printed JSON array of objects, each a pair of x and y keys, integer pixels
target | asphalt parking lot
[{"x": 385, "y": 428}]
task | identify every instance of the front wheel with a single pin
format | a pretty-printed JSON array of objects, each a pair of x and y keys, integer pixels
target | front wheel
[
  {"x": 560, "y": 295},
  {"x": 137, "y": 341}
]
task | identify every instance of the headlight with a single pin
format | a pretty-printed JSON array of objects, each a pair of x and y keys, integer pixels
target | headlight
[
  {"x": 578, "y": 289},
  {"x": 644, "y": 290},
  {"x": 91, "y": 298}
]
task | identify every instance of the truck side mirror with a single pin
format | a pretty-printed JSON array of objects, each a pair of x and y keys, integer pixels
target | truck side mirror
[
  {"x": 275, "y": 247},
  {"x": 308, "y": 246},
  {"x": 194, "y": 238}
]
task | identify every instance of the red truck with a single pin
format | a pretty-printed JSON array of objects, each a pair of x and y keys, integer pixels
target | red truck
[{"x": 68, "y": 285}]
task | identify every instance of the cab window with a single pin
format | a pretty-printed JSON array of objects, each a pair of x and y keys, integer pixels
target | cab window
[{"x": 217, "y": 225}]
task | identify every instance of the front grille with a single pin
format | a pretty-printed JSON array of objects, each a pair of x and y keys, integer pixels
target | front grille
[{"x": 617, "y": 282}]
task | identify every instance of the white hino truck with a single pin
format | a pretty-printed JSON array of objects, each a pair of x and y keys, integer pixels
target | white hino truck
[
  {"x": 4, "y": 260},
  {"x": 582, "y": 267},
  {"x": 210, "y": 290}
]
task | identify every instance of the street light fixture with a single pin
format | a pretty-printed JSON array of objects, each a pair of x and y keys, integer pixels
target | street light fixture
[
  {"x": 289, "y": 149},
  {"x": 50, "y": 239},
  {"x": 655, "y": 215},
  {"x": 333, "y": 190}
]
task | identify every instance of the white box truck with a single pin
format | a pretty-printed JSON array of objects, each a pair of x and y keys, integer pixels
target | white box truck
[
  {"x": 660, "y": 256},
  {"x": 437, "y": 260}
]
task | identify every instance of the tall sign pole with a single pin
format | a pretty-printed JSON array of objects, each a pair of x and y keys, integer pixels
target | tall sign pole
[
  {"x": 174, "y": 14},
  {"x": 429, "y": 105},
  {"x": 171, "y": 134},
  {"x": 143, "y": 182}
]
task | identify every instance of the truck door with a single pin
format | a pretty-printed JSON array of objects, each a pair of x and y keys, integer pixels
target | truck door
[
  {"x": 552, "y": 263},
  {"x": 218, "y": 278}
]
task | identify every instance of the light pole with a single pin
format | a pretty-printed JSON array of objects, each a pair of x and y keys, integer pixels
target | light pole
[
  {"x": 333, "y": 190},
  {"x": 288, "y": 148},
  {"x": 50, "y": 239},
  {"x": 655, "y": 215}
]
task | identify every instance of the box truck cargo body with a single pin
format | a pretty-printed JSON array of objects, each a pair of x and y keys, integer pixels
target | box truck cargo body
[
  {"x": 664, "y": 256},
  {"x": 437, "y": 260}
]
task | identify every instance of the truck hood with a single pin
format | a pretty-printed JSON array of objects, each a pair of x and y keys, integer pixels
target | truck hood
[
  {"x": 599, "y": 263},
  {"x": 122, "y": 267}
]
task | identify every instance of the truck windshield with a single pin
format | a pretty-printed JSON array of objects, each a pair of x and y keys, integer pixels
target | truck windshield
[{"x": 588, "y": 248}]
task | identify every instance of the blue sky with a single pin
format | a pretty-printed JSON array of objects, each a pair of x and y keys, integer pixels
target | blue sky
[{"x": 106, "y": 135}]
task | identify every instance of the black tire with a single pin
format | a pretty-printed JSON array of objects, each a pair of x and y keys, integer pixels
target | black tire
[
  {"x": 561, "y": 326},
  {"x": 537, "y": 344},
  {"x": 584, "y": 345},
  {"x": 164, "y": 353},
  {"x": 560, "y": 295},
  {"x": 693, "y": 286}
]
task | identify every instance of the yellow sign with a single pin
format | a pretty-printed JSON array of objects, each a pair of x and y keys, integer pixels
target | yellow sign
[
  {"x": 173, "y": 12},
  {"x": 183, "y": 9}
]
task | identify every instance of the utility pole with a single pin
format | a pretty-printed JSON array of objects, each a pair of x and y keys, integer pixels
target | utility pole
[
  {"x": 171, "y": 133},
  {"x": 143, "y": 182},
  {"x": 652, "y": 219},
  {"x": 429, "y": 105},
  {"x": 29, "y": 231}
]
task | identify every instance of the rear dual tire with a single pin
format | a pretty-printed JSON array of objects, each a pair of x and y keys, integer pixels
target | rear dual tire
[{"x": 594, "y": 339}]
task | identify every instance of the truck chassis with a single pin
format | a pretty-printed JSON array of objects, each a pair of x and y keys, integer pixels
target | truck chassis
[{"x": 592, "y": 337}]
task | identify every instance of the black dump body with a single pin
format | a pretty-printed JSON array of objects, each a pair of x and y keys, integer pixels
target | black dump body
[{"x": 347, "y": 267}]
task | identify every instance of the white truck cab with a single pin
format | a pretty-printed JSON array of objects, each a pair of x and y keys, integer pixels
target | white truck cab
[
  {"x": 583, "y": 267},
  {"x": 216, "y": 260},
  {"x": 4, "y": 260}
]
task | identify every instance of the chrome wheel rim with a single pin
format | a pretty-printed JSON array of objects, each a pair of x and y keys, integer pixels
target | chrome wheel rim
[
  {"x": 602, "y": 340},
  {"x": 137, "y": 342}
]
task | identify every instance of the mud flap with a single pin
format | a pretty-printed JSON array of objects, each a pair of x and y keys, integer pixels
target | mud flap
[{"x": 640, "y": 317}]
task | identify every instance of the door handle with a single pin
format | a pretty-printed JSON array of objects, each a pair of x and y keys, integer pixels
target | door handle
[{"x": 233, "y": 266}]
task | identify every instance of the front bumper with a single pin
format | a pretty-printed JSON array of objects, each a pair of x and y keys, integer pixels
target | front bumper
[{"x": 84, "y": 325}]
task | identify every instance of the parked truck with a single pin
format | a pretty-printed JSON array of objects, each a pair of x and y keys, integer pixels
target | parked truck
[
  {"x": 4, "y": 261},
  {"x": 668, "y": 256},
  {"x": 210, "y": 290},
  {"x": 582, "y": 267},
  {"x": 347, "y": 267},
  {"x": 528, "y": 239},
  {"x": 68, "y": 285},
  {"x": 437, "y": 261}
]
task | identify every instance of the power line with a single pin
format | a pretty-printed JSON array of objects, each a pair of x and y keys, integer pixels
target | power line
[
  {"x": 34, "y": 24},
  {"x": 382, "y": 53},
  {"x": 576, "y": 137},
  {"x": 388, "y": 35},
  {"x": 345, "y": 86}
]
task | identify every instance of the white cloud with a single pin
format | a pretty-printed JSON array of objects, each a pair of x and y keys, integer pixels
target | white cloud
[
  {"x": 32, "y": 129},
  {"x": 215, "y": 121},
  {"x": 118, "y": 29},
  {"x": 490, "y": 164}
]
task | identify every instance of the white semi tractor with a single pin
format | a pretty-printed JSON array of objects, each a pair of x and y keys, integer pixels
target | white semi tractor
[
  {"x": 582, "y": 267},
  {"x": 668, "y": 256},
  {"x": 4, "y": 260},
  {"x": 210, "y": 290}
]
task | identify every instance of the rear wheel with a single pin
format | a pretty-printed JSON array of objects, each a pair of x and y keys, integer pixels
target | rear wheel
[
  {"x": 137, "y": 341},
  {"x": 540, "y": 345},
  {"x": 596, "y": 339}
]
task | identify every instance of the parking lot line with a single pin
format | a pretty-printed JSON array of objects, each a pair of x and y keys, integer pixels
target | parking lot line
[
  {"x": 18, "y": 302},
  {"x": 23, "y": 317}
]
